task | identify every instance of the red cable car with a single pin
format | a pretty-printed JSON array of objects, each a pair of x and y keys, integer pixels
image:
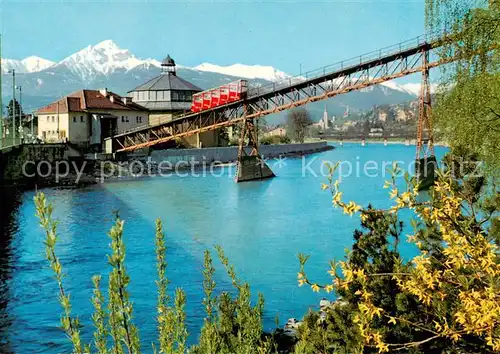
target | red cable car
[
  {"x": 206, "y": 99},
  {"x": 197, "y": 103},
  {"x": 234, "y": 91}
]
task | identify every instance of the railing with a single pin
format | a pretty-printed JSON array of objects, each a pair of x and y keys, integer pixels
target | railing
[{"x": 347, "y": 64}]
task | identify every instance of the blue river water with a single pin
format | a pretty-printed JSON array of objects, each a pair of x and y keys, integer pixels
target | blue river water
[{"x": 262, "y": 226}]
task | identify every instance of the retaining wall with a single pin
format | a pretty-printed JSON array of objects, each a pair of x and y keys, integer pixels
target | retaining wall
[
  {"x": 229, "y": 154},
  {"x": 13, "y": 159}
]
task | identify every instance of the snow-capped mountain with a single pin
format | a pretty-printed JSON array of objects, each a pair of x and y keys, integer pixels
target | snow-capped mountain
[
  {"x": 104, "y": 58},
  {"x": 27, "y": 65},
  {"x": 245, "y": 71},
  {"x": 414, "y": 89},
  {"x": 35, "y": 64}
]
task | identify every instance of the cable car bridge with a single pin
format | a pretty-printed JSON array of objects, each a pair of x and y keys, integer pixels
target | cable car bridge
[{"x": 406, "y": 58}]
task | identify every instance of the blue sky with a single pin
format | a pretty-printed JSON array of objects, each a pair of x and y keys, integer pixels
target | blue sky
[{"x": 283, "y": 34}]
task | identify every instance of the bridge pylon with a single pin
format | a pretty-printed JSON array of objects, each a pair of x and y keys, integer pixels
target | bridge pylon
[
  {"x": 250, "y": 166},
  {"x": 426, "y": 163}
]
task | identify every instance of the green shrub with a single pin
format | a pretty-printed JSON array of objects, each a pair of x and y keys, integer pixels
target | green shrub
[{"x": 275, "y": 139}]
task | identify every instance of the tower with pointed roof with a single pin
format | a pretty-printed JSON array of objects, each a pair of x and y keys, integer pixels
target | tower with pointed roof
[
  {"x": 325, "y": 119},
  {"x": 168, "y": 65}
]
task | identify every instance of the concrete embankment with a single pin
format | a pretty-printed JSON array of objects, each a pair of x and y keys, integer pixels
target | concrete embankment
[
  {"x": 230, "y": 154},
  {"x": 44, "y": 165}
]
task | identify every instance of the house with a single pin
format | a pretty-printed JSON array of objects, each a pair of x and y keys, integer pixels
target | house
[
  {"x": 87, "y": 117},
  {"x": 276, "y": 132},
  {"x": 376, "y": 133}
]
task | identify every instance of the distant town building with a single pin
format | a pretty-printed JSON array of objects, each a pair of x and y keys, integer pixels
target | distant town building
[
  {"x": 376, "y": 132},
  {"x": 276, "y": 132},
  {"x": 382, "y": 116},
  {"x": 347, "y": 125},
  {"x": 324, "y": 123},
  {"x": 346, "y": 112},
  {"x": 87, "y": 117},
  {"x": 165, "y": 95}
]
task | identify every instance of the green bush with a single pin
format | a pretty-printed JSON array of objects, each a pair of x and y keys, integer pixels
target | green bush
[{"x": 275, "y": 139}]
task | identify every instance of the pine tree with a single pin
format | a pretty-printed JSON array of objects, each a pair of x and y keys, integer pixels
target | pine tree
[{"x": 18, "y": 112}]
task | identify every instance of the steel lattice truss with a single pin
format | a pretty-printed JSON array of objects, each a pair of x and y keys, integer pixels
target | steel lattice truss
[{"x": 368, "y": 70}]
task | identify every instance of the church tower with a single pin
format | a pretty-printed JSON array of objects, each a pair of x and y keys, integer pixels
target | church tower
[{"x": 325, "y": 119}]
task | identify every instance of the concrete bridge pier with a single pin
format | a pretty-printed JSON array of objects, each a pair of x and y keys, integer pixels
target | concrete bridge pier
[{"x": 250, "y": 167}]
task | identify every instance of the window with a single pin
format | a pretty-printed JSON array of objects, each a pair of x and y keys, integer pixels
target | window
[
  {"x": 48, "y": 118},
  {"x": 123, "y": 119},
  {"x": 53, "y": 119},
  {"x": 74, "y": 119},
  {"x": 81, "y": 119}
]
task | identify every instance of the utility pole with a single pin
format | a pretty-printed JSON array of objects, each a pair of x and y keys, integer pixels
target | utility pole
[
  {"x": 14, "y": 106},
  {"x": 20, "y": 112},
  {"x": 1, "y": 105}
]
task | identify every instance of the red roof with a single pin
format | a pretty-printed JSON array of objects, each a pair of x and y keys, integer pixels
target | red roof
[{"x": 84, "y": 100}]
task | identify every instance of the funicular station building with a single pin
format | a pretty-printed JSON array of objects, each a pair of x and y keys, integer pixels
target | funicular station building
[{"x": 167, "y": 96}]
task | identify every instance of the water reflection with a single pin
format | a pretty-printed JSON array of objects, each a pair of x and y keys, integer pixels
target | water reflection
[{"x": 10, "y": 200}]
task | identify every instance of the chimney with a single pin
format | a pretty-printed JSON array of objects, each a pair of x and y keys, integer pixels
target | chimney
[
  {"x": 104, "y": 92},
  {"x": 112, "y": 98}
]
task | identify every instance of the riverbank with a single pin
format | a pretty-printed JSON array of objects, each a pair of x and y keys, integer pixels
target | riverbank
[{"x": 381, "y": 141}]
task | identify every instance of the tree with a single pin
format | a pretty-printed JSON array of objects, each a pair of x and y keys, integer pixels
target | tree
[
  {"x": 297, "y": 122},
  {"x": 445, "y": 299},
  {"x": 366, "y": 127},
  {"x": 467, "y": 110},
  {"x": 18, "y": 112}
]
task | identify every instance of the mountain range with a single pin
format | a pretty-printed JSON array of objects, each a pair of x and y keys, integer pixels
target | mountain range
[{"x": 107, "y": 65}]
